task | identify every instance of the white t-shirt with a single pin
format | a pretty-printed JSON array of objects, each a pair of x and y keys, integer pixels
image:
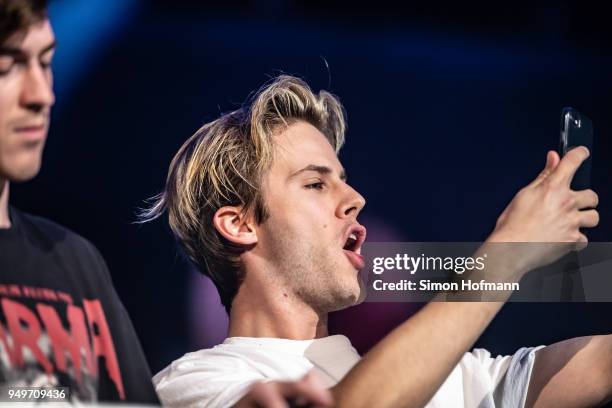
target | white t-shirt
[{"x": 220, "y": 376}]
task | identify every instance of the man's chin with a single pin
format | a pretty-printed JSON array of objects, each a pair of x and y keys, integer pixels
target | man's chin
[
  {"x": 22, "y": 173},
  {"x": 352, "y": 297}
]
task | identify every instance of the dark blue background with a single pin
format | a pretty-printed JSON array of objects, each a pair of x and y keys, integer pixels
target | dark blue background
[{"x": 451, "y": 110}]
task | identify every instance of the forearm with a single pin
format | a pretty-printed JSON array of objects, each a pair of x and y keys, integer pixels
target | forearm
[{"x": 408, "y": 366}]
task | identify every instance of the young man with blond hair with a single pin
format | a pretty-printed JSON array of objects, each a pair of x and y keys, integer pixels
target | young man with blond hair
[{"x": 260, "y": 203}]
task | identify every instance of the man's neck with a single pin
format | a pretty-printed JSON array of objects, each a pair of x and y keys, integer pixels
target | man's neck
[
  {"x": 257, "y": 312},
  {"x": 5, "y": 221}
]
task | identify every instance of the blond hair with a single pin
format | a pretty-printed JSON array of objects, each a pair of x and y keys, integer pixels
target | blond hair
[{"x": 223, "y": 164}]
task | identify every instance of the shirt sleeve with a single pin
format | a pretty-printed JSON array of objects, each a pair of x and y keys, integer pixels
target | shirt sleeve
[
  {"x": 512, "y": 391},
  {"x": 216, "y": 381},
  {"x": 500, "y": 381}
]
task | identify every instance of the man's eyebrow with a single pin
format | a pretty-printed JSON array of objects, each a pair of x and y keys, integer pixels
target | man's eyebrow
[
  {"x": 323, "y": 170},
  {"x": 14, "y": 51}
]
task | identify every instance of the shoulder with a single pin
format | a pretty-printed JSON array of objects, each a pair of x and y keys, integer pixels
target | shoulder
[
  {"x": 48, "y": 234},
  {"x": 50, "y": 239},
  {"x": 217, "y": 362},
  {"x": 212, "y": 377},
  {"x": 43, "y": 229}
]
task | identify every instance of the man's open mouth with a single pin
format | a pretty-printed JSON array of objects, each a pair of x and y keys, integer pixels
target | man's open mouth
[{"x": 354, "y": 238}]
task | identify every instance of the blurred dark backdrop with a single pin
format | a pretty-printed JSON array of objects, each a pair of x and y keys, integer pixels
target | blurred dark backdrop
[{"x": 451, "y": 110}]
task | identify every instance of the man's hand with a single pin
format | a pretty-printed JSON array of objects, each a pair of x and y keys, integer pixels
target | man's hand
[
  {"x": 307, "y": 392},
  {"x": 548, "y": 211}
]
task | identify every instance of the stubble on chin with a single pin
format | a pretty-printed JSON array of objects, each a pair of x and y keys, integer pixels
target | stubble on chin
[{"x": 319, "y": 278}]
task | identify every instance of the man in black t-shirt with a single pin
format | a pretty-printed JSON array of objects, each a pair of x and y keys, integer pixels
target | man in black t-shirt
[{"x": 61, "y": 321}]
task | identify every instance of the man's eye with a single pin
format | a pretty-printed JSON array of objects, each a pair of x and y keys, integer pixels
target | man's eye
[
  {"x": 316, "y": 186},
  {"x": 46, "y": 61},
  {"x": 6, "y": 63}
]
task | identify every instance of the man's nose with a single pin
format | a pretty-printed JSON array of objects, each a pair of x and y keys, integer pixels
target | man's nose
[
  {"x": 37, "y": 89},
  {"x": 352, "y": 204}
]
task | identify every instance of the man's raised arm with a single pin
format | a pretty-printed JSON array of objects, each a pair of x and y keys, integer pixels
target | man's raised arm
[{"x": 410, "y": 364}]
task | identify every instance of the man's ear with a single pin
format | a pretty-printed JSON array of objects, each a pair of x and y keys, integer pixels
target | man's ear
[{"x": 235, "y": 226}]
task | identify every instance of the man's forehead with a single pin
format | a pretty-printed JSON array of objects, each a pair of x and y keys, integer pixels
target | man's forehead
[
  {"x": 37, "y": 37},
  {"x": 302, "y": 145}
]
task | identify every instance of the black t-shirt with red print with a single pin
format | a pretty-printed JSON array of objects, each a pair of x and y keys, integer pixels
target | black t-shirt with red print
[{"x": 61, "y": 321}]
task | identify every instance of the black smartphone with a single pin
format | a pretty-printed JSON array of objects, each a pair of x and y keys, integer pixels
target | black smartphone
[{"x": 577, "y": 130}]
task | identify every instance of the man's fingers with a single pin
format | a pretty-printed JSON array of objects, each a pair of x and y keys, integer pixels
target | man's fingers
[
  {"x": 581, "y": 243},
  {"x": 586, "y": 199},
  {"x": 263, "y": 395},
  {"x": 307, "y": 391},
  {"x": 324, "y": 393},
  {"x": 552, "y": 160},
  {"x": 569, "y": 164},
  {"x": 589, "y": 218}
]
